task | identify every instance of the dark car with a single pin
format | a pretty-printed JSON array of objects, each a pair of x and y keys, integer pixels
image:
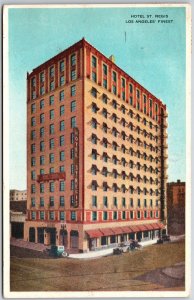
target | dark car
[{"x": 117, "y": 251}]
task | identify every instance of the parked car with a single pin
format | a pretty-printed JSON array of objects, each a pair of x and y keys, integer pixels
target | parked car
[
  {"x": 58, "y": 251},
  {"x": 117, "y": 251},
  {"x": 163, "y": 238},
  {"x": 124, "y": 247},
  {"x": 134, "y": 244}
]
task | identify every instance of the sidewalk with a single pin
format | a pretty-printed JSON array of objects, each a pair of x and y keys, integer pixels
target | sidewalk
[
  {"x": 105, "y": 252},
  {"x": 28, "y": 245}
]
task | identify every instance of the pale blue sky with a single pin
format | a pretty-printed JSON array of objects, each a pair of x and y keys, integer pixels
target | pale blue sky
[{"x": 154, "y": 54}]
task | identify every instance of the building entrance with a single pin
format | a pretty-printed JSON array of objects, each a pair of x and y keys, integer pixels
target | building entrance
[
  {"x": 63, "y": 238},
  {"x": 52, "y": 236},
  {"x": 41, "y": 235},
  {"x": 32, "y": 234},
  {"x": 17, "y": 230},
  {"x": 74, "y": 239}
]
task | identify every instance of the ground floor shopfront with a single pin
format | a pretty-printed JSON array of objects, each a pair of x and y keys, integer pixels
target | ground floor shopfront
[{"x": 84, "y": 238}]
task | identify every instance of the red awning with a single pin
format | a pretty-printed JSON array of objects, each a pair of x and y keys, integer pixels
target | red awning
[
  {"x": 134, "y": 228},
  {"x": 126, "y": 229},
  {"x": 107, "y": 231},
  {"x": 155, "y": 226},
  {"x": 161, "y": 225},
  {"x": 117, "y": 230},
  {"x": 142, "y": 228},
  {"x": 93, "y": 233},
  {"x": 149, "y": 226}
]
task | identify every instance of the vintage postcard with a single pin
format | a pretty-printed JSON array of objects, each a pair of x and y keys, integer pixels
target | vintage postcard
[{"x": 97, "y": 150}]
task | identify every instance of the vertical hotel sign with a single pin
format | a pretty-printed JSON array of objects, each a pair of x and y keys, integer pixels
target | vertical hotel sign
[{"x": 76, "y": 167}]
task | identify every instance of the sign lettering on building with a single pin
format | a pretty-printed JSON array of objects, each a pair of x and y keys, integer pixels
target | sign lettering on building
[
  {"x": 53, "y": 176},
  {"x": 76, "y": 167}
]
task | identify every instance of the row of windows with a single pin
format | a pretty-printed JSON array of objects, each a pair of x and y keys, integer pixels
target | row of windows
[
  {"x": 51, "y": 113},
  {"x": 51, "y": 171},
  {"x": 105, "y": 157},
  {"x": 124, "y": 163},
  {"x": 94, "y": 215},
  {"x": 131, "y": 113},
  {"x": 51, "y": 158},
  {"x": 52, "y": 128},
  {"x": 116, "y": 133},
  {"x": 114, "y": 215},
  {"x": 124, "y": 202},
  {"x": 52, "y": 87},
  {"x": 105, "y": 143},
  {"x": 52, "y": 186},
  {"x": 115, "y": 188},
  {"x": 51, "y": 201},
  {"x": 52, "y": 215}
]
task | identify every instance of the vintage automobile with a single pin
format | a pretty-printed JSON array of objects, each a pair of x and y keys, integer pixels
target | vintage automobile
[
  {"x": 163, "y": 238},
  {"x": 134, "y": 244},
  {"x": 58, "y": 251},
  {"x": 117, "y": 251}
]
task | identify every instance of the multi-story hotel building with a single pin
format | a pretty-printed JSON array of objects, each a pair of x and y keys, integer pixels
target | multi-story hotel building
[{"x": 96, "y": 153}]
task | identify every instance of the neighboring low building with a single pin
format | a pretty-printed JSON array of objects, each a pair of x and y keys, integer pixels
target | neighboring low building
[
  {"x": 17, "y": 195},
  {"x": 17, "y": 218},
  {"x": 176, "y": 207}
]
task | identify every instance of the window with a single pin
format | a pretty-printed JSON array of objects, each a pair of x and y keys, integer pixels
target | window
[
  {"x": 51, "y": 143},
  {"x": 72, "y": 153},
  {"x": 61, "y": 169},
  {"x": 72, "y": 168},
  {"x": 123, "y": 95},
  {"x": 123, "y": 202},
  {"x": 73, "y": 106},
  {"x": 52, "y": 71},
  {"x": 62, "y": 125},
  {"x": 62, "y": 110},
  {"x": 51, "y": 158},
  {"x": 61, "y": 95},
  {"x": 62, "y": 155},
  {"x": 33, "y": 95},
  {"x": 105, "y": 83},
  {"x": 42, "y": 160},
  {"x": 62, "y": 215},
  {"x": 145, "y": 203},
  {"x": 42, "y": 104},
  {"x": 94, "y": 76},
  {"x": 157, "y": 214},
  {"x": 123, "y": 82},
  {"x": 41, "y": 202},
  {"x": 131, "y": 214},
  {"x": 105, "y": 215},
  {"x": 151, "y": 214},
  {"x": 72, "y": 137},
  {"x": 114, "y": 89},
  {"x": 33, "y": 161},
  {"x": 41, "y": 171},
  {"x": 105, "y": 201},
  {"x": 51, "y": 201},
  {"x": 51, "y": 215},
  {"x": 94, "y": 216},
  {"x": 62, "y": 66},
  {"x": 42, "y": 118},
  {"x": 41, "y": 131},
  {"x": 94, "y": 123},
  {"x": 33, "y": 121},
  {"x": 73, "y": 60},
  {"x": 138, "y": 94},
  {"x": 41, "y": 187},
  {"x": 104, "y": 98},
  {"x": 51, "y": 128},
  {"x": 72, "y": 185},
  {"x": 41, "y": 146},
  {"x": 130, "y": 88},
  {"x": 62, "y": 186},
  {"x": 94, "y": 201},
  {"x": 131, "y": 202},
  {"x": 94, "y": 92},
  {"x": 62, "y": 201},
  {"x": 33, "y": 203},
  {"x": 62, "y": 140},
  {"x": 33, "y": 215},
  {"x": 94, "y": 185},
  {"x": 131, "y": 100},
  {"x": 114, "y": 76},
  {"x": 33, "y": 108},
  {"x": 73, "y": 74},
  {"x": 138, "y": 214},
  {"x": 52, "y": 170},
  {"x": 42, "y": 90},
  {"x": 33, "y": 148},
  {"x": 41, "y": 215},
  {"x": 73, "y": 122},
  {"x": 114, "y": 215},
  {"x": 33, "y": 135},
  {"x": 115, "y": 201},
  {"x": 51, "y": 114},
  {"x": 52, "y": 85},
  {"x": 123, "y": 215},
  {"x": 94, "y": 61},
  {"x": 51, "y": 187},
  {"x": 73, "y": 216},
  {"x": 62, "y": 80},
  {"x": 73, "y": 90},
  {"x": 104, "y": 69}
]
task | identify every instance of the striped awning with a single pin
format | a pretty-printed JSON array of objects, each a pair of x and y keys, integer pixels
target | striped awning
[{"x": 93, "y": 233}]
